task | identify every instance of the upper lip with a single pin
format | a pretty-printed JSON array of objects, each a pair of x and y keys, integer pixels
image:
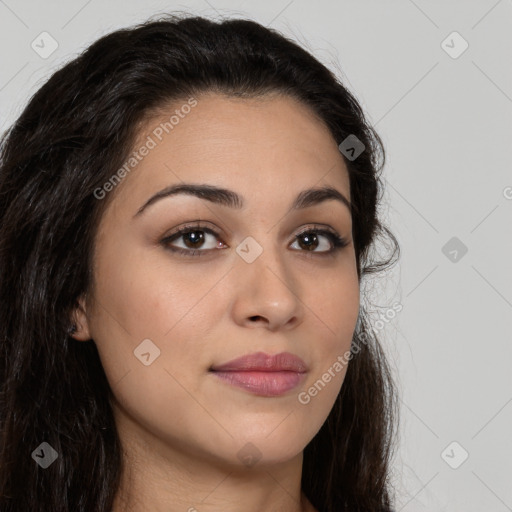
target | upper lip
[{"x": 259, "y": 361}]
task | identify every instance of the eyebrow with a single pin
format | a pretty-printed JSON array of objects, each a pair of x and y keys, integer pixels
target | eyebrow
[{"x": 226, "y": 197}]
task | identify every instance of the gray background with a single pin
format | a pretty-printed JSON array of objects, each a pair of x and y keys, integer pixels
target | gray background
[{"x": 447, "y": 126}]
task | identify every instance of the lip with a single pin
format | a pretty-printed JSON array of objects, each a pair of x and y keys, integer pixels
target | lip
[
  {"x": 261, "y": 362},
  {"x": 262, "y": 374}
]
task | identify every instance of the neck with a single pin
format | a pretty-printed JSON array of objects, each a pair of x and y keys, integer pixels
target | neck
[{"x": 163, "y": 478}]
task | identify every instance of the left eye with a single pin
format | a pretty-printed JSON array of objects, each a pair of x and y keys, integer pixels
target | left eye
[{"x": 310, "y": 238}]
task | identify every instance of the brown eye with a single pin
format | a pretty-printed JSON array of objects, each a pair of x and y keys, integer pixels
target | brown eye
[
  {"x": 311, "y": 239},
  {"x": 194, "y": 241}
]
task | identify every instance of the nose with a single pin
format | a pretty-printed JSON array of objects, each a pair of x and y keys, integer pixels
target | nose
[{"x": 266, "y": 293}]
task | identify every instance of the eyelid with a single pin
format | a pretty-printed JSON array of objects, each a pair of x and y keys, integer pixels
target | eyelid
[
  {"x": 198, "y": 225},
  {"x": 316, "y": 227}
]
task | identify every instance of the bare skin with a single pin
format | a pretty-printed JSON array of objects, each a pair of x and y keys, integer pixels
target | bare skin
[{"x": 182, "y": 428}]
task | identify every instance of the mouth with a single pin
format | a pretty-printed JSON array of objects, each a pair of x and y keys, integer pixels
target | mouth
[{"x": 262, "y": 374}]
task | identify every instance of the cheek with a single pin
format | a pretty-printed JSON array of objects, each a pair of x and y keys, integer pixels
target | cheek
[
  {"x": 143, "y": 298},
  {"x": 335, "y": 305},
  {"x": 170, "y": 316},
  {"x": 336, "y": 312}
]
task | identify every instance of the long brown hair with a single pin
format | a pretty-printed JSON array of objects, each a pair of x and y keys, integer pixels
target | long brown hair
[{"x": 73, "y": 134}]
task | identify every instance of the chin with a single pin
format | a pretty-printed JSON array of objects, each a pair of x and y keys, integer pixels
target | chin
[{"x": 265, "y": 449}]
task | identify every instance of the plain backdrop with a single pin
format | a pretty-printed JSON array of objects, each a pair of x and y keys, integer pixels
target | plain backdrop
[{"x": 435, "y": 79}]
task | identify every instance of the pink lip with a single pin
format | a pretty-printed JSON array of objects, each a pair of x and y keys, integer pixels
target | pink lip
[{"x": 262, "y": 374}]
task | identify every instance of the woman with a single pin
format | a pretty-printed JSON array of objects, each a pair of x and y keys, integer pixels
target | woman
[{"x": 187, "y": 211}]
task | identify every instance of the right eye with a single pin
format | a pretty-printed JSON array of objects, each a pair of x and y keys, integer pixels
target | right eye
[{"x": 194, "y": 238}]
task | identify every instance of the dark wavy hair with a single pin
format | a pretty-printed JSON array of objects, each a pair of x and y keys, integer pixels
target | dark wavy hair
[{"x": 76, "y": 130}]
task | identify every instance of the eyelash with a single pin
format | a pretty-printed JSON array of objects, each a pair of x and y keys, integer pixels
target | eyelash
[{"x": 337, "y": 241}]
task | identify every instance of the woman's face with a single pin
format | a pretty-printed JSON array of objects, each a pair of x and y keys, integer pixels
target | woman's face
[{"x": 166, "y": 308}]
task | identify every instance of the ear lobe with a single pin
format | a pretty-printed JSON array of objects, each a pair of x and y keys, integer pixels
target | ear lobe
[{"x": 80, "y": 325}]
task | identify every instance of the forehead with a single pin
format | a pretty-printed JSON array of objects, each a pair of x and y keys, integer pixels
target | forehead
[{"x": 272, "y": 144}]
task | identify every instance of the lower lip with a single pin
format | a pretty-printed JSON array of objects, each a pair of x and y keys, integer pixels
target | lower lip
[{"x": 263, "y": 383}]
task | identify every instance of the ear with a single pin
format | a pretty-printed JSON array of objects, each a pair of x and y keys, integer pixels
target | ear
[{"x": 80, "y": 322}]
